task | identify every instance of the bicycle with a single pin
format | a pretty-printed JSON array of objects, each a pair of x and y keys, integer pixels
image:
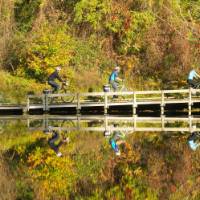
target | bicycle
[
  {"x": 195, "y": 86},
  {"x": 120, "y": 88},
  {"x": 63, "y": 90}
]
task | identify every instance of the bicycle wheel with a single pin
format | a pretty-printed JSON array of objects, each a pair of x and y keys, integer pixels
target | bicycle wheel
[
  {"x": 66, "y": 99},
  {"x": 197, "y": 86},
  {"x": 124, "y": 89}
]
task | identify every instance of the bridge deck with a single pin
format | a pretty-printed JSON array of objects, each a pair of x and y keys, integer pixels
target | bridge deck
[
  {"x": 152, "y": 100},
  {"x": 105, "y": 123}
]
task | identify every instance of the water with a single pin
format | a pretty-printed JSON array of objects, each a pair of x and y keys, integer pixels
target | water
[{"x": 58, "y": 157}]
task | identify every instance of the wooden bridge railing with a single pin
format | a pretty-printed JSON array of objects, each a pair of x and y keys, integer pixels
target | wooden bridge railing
[
  {"x": 105, "y": 123},
  {"x": 127, "y": 124},
  {"x": 133, "y": 98}
]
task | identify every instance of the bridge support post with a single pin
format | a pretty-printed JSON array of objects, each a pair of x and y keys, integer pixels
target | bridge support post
[
  {"x": 105, "y": 103},
  {"x": 78, "y": 108},
  {"x": 106, "y": 123},
  {"x": 134, "y": 107},
  {"x": 78, "y": 123},
  {"x": 190, "y": 102},
  {"x": 162, "y": 105},
  {"x": 45, "y": 101},
  {"x": 27, "y": 105},
  {"x": 45, "y": 123},
  {"x": 135, "y": 122},
  {"x": 134, "y": 110},
  {"x": 163, "y": 122},
  {"x": 28, "y": 122}
]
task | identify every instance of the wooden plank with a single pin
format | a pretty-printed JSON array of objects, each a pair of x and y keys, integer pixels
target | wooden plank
[
  {"x": 125, "y": 129},
  {"x": 11, "y": 107},
  {"x": 62, "y": 95},
  {"x": 101, "y": 117}
]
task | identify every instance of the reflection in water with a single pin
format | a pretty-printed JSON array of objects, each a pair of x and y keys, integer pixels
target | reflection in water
[
  {"x": 194, "y": 140},
  {"x": 56, "y": 141},
  {"x": 153, "y": 165},
  {"x": 117, "y": 138},
  {"x": 127, "y": 124}
]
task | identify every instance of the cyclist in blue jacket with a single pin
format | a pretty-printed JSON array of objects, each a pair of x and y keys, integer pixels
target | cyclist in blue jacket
[
  {"x": 193, "y": 77},
  {"x": 114, "y": 79},
  {"x": 117, "y": 139},
  {"x": 194, "y": 141}
]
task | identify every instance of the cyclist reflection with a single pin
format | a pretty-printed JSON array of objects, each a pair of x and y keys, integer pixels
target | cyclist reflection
[
  {"x": 117, "y": 138},
  {"x": 55, "y": 142},
  {"x": 194, "y": 141}
]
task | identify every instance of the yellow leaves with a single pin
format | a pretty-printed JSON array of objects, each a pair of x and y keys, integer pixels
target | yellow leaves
[
  {"x": 53, "y": 174},
  {"x": 49, "y": 47},
  {"x": 138, "y": 171}
]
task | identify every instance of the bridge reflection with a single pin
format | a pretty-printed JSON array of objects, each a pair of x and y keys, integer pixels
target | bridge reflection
[{"x": 106, "y": 123}]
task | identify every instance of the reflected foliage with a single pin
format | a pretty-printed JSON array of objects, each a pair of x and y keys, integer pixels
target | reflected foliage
[{"x": 151, "y": 166}]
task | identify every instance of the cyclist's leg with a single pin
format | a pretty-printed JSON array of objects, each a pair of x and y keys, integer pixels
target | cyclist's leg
[
  {"x": 54, "y": 85},
  {"x": 193, "y": 84},
  {"x": 114, "y": 85},
  {"x": 52, "y": 141}
]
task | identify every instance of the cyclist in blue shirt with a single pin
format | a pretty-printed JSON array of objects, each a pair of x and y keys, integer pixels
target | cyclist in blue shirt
[
  {"x": 114, "y": 79},
  {"x": 193, "y": 141},
  {"x": 117, "y": 139},
  {"x": 192, "y": 78}
]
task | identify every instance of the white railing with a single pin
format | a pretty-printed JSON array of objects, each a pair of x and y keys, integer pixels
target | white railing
[
  {"x": 127, "y": 124},
  {"x": 133, "y": 98}
]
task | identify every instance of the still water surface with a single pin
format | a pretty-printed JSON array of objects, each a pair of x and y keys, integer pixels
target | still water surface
[{"x": 101, "y": 157}]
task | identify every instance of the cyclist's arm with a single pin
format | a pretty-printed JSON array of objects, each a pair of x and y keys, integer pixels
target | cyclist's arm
[
  {"x": 59, "y": 78},
  {"x": 197, "y": 75},
  {"x": 118, "y": 79}
]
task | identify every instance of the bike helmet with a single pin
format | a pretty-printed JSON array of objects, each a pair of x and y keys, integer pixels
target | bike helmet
[
  {"x": 58, "y": 68},
  {"x": 59, "y": 154},
  {"x": 117, "y": 68},
  {"x": 118, "y": 153}
]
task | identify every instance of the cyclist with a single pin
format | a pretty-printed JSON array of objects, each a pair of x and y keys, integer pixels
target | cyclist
[
  {"x": 53, "y": 77},
  {"x": 193, "y": 140},
  {"x": 192, "y": 78},
  {"x": 117, "y": 139},
  {"x": 114, "y": 79},
  {"x": 53, "y": 142}
]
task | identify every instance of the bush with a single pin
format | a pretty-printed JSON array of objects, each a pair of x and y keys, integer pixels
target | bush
[{"x": 49, "y": 47}]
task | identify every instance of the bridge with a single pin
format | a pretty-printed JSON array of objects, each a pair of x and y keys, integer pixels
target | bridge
[
  {"x": 128, "y": 124},
  {"x": 141, "y": 103}
]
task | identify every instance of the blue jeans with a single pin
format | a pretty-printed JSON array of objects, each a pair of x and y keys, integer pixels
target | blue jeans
[
  {"x": 52, "y": 141},
  {"x": 54, "y": 85}
]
